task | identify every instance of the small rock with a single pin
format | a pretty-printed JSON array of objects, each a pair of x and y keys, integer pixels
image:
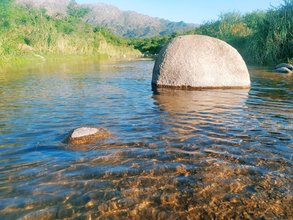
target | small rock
[
  {"x": 87, "y": 135},
  {"x": 282, "y": 70},
  {"x": 90, "y": 204},
  {"x": 287, "y": 65}
]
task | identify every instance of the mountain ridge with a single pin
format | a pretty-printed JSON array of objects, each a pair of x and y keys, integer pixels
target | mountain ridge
[{"x": 123, "y": 23}]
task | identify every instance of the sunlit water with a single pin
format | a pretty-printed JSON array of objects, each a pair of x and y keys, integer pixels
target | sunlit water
[{"x": 172, "y": 155}]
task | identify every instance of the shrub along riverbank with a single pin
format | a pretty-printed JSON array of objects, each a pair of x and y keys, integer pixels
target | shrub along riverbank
[
  {"x": 30, "y": 33},
  {"x": 262, "y": 37}
]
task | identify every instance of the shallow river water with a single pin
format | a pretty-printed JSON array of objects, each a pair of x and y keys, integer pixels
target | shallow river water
[{"x": 211, "y": 154}]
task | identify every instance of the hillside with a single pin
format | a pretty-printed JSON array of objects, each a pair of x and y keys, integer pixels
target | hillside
[
  {"x": 53, "y": 7},
  {"x": 123, "y": 23},
  {"x": 132, "y": 24},
  {"x": 33, "y": 33}
]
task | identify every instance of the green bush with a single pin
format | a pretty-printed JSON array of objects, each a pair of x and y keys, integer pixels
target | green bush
[
  {"x": 261, "y": 37},
  {"x": 150, "y": 46},
  {"x": 76, "y": 11},
  {"x": 272, "y": 40},
  {"x": 5, "y": 11},
  {"x": 111, "y": 38}
]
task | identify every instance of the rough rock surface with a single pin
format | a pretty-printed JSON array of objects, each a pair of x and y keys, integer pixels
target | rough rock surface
[
  {"x": 87, "y": 135},
  {"x": 197, "y": 61}
]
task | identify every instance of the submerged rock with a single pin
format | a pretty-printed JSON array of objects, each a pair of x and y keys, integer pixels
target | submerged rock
[
  {"x": 286, "y": 65},
  {"x": 196, "y": 61},
  {"x": 87, "y": 135},
  {"x": 282, "y": 70}
]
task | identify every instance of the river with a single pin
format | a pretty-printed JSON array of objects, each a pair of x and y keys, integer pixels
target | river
[{"x": 210, "y": 154}]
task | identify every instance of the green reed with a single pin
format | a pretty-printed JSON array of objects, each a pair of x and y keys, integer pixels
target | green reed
[
  {"x": 261, "y": 37},
  {"x": 272, "y": 40}
]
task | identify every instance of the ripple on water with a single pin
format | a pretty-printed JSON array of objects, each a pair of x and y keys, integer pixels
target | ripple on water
[{"x": 173, "y": 155}]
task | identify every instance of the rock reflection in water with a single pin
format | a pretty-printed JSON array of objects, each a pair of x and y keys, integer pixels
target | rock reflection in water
[
  {"x": 199, "y": 101},
  {"x": 205, "y": 114}
]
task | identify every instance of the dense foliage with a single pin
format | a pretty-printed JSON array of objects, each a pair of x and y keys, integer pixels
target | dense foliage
[
  {"x": 74, "y": 10},
  {"x": 150, "y": 46},
  {"x": 26, "y": 31},
  {"x": 272, "y": 39},
  {"x": 261, "y": 37}
]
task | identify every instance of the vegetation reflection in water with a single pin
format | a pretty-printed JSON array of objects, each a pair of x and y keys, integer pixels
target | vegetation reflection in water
[{"x": 174, "y": 154}]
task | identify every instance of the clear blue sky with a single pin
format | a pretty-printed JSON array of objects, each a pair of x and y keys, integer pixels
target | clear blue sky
[{"x": 193, "y": 11}]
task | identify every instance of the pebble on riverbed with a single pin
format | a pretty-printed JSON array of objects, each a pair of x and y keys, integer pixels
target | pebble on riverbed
[{"x": 87, "y": 135}]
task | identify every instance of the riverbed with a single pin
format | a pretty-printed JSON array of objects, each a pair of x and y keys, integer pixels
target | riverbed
[{"x": 209, "y": 154}]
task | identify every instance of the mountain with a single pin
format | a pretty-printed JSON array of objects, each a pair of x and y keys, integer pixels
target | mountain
[
  {"x": 123, "y": 23},
  {"x": 53, "y": 7},
  {"x": 132, "y": 24}
]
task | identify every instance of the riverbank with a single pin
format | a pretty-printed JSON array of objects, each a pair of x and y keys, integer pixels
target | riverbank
[
  {"x": 69, "y": 63},
  {"x": 29, "y": 34}
]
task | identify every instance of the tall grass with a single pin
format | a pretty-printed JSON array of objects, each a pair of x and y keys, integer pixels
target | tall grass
[
  {"x": 230, "y": 27},
  {"x": 272, "y": 40},
  {"x": 262, "y": 37},
  {"x": 29, "y": 32}
]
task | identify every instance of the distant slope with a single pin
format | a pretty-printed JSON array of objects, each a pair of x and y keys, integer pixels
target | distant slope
[
  {"x": 123, "y": 23},
  {"x": 132, "y": 24},
  {"x": 53, "y": 7}
]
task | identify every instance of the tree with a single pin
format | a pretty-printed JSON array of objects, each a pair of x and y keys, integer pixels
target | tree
[
  {"x": 77, "y": 11},
  {"x": 5, "y": 6}
]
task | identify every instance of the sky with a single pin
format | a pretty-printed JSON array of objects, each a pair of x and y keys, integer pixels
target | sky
[{"x": 191, "y": 11}]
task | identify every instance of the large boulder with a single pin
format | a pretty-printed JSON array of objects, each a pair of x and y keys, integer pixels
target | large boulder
[{"x": 197, "y": 61}]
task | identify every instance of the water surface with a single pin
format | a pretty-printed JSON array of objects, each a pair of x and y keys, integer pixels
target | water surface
[{"x": 173, "y": 154}]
